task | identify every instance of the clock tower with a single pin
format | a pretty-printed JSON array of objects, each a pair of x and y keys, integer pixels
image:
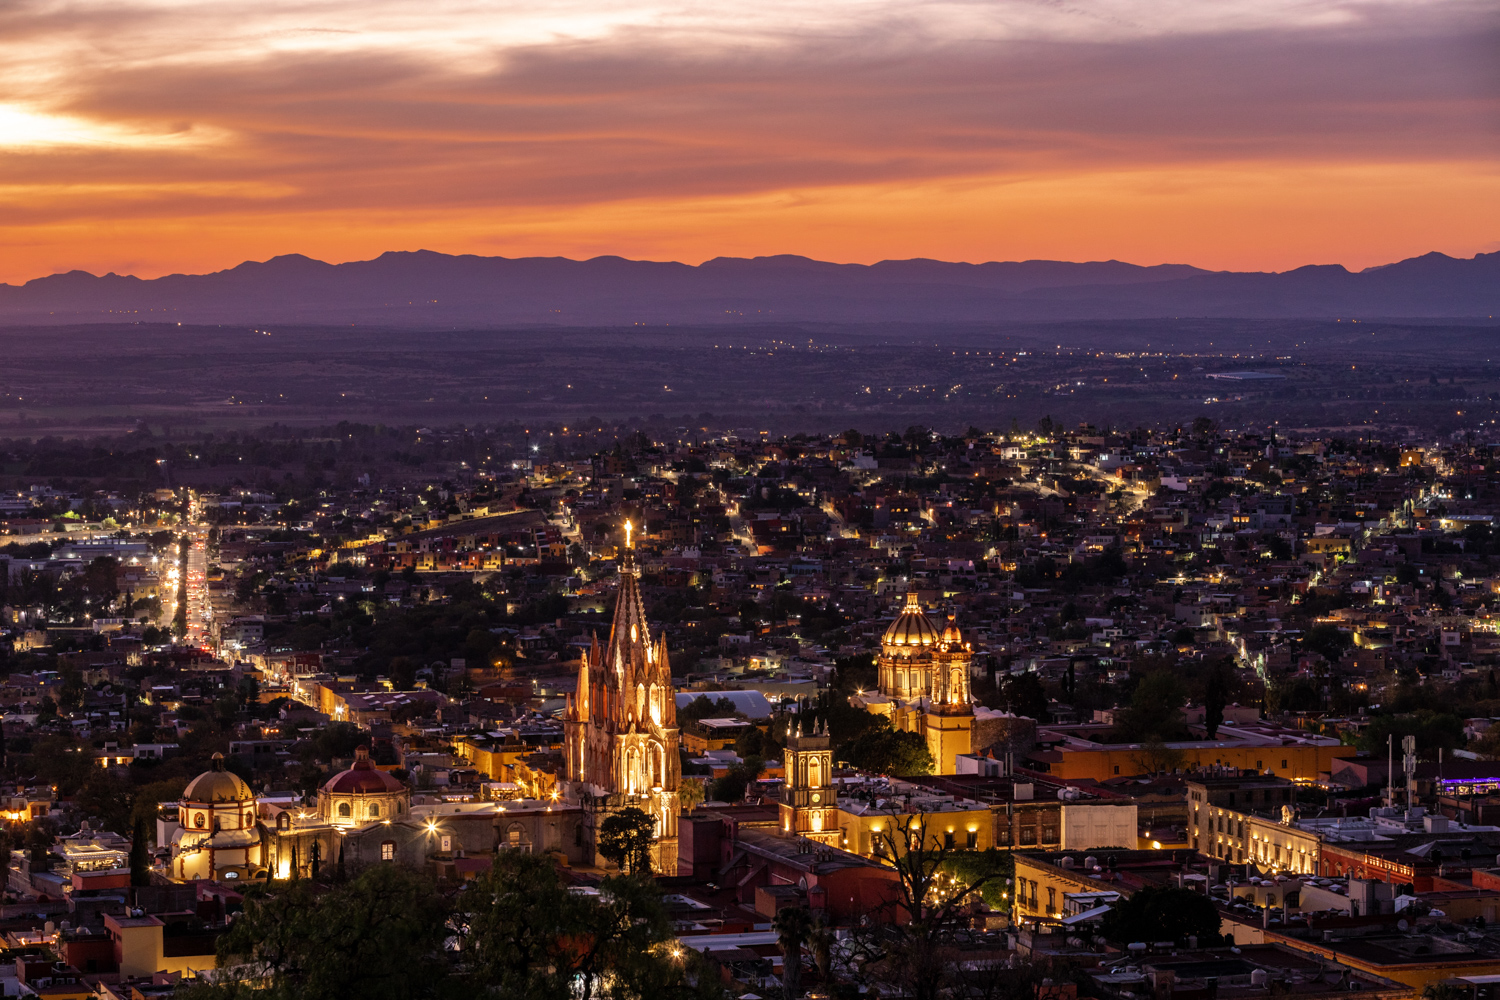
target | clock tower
[{"x": 809, "y": 802}]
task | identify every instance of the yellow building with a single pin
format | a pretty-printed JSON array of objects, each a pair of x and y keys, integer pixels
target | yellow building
[
  {"x": 141, "y": 948},
  {"x": 1083, "y": 752},
  {"x": 924, "y": 684}
]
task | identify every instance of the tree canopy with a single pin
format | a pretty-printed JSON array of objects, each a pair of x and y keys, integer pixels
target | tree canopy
[
  {"x": 626, "y": 839},
  {"x": 1162, "y": 913}
]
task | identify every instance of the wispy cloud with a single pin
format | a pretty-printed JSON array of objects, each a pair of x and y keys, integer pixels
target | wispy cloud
[{"x": 171, "y": 118}]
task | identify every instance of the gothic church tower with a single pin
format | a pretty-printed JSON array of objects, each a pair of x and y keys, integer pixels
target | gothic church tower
[{"x": 620, "y": 725}]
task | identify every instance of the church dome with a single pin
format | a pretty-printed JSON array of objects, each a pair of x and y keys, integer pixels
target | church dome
[
  {"x": 217, "y": 785},
  {"x": 912, "y": 627},
  {"x": 364, "y": 778},
  {"x": 951, "y": 635}
]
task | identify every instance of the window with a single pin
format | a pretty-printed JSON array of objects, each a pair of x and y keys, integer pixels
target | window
[
  {"x": 1051, "y": 899},
  {"x": 948, "y": 841},
  {"x": 1049, "y": 834},
  {"x": 1283, "y": 764},
  {"x": 374, "y": 810},
  {"x": 1259, "y": 764},
  {"x": 973, "y": 841},
  {"x": 1117, "y": 768},
  {"x": 199, "y": 820},
  {"x": 344, "y": 810},
  {"x": 1004, "y": 834},
  {"x": 388, "y": 850},
  {"x": 1028, "y": 835}
]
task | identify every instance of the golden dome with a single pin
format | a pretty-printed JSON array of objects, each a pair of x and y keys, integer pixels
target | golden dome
[
  {"x": 951, "y": 635},
  {"x": 217, "y": 785},
  {"x": 912, "y": 627}
]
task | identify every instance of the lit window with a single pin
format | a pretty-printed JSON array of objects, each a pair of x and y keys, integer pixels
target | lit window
[
  {"x": 344, "y": 810},
  {"x": 388, "y": 851}
]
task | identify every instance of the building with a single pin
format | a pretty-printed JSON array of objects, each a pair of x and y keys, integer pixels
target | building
[
  {"x": 620, "y": 726},
  {"x": 362, "y": 794},
  {"x": 809, "y": 801},
  {"x": 217, "y": 834},
  {"x": 1087, "y": 752},
  {"x": 1250, "y": 819},
  {"x": 924, "y": 684}
]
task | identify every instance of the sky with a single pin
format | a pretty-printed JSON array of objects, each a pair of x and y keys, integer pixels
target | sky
[{"x": 156, "y": 136}]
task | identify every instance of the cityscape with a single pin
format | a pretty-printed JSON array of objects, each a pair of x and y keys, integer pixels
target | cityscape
[
  {"x": 870, "y": 500},
  {"x": 980, "y": 714}
]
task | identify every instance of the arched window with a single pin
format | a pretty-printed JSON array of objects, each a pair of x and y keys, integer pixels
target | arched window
[
  {"x": 400, "y": 808},
  {"x": 344, "y": 810},
  {"x": 374, "y": 810}
]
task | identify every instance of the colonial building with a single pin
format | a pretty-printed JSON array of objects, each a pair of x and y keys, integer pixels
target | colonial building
[
  {"x": 362, "y": 794},
  {"x": 217, "y": 833},
  {"x": 924, "y": 684},
  {"x": 809, "y": 801},
  {"x": 620, "y": 729}
]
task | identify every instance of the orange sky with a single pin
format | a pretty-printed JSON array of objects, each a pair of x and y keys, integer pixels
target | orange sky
[{"x": 151, "y": 136}]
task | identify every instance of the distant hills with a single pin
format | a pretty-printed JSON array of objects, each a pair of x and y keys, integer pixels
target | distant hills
[{"x": 423, "y": 289}]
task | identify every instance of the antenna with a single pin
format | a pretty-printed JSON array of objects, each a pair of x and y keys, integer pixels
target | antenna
[{"x": 1390, "y": 771}]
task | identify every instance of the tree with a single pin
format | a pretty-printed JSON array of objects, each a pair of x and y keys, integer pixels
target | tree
[
  {"x": 884, "y": 750},
  {"x": 626, "y": 839},
  {"x": 1215, "y": 695},
  {"x": 140, "y": 854},
  {"x": 1156, "y": 757},
  {"x": 1433, "y": 730},
  {"x": 793, "y": 926},
  {"x": 910, "y": 940},
  {"x": 1155, "y": 707},
  {"x": 1023, "y": 694},
  {"x": 1162, "y": 913},
  {"x": 517, "y": 918},
  {"x": 380, "y": 936},
  {"x": 1328, "y": 639},
  {"x": 689, "y": 794}
]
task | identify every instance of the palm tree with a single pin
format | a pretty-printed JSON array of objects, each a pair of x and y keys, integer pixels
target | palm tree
[{"x": 793, "y": 926}]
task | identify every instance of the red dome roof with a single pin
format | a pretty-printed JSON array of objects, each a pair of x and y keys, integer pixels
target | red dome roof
[{"x": 362, "y": 779}]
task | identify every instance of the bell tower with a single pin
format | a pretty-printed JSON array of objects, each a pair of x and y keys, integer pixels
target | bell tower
[{"x": 809, "y": 801}]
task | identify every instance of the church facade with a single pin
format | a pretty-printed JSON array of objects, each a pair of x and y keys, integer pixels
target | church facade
[
  {"x": 620, "y": 727},
  {"x": 924, "y": 684}
]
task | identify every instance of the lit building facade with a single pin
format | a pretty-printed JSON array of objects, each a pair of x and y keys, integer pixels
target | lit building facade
[
  {"x": 924, "y": 684},
  {"x": 809, "y": 800},
  {"x": 620, "y": 728},
  {"x": 217, "y": 833}
]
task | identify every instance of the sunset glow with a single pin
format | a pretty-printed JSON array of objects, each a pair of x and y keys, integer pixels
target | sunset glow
[{"x": 155, "y": 136}]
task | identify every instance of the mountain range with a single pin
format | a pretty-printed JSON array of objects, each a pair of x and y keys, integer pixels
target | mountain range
[{"x": 423, "y": 289}]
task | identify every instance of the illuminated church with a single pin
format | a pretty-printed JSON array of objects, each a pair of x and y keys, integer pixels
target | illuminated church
[
  {"x": 621, "y": 726},
  {"x": 924, "y": 684}
]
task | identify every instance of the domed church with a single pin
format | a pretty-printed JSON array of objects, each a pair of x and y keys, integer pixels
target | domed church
[
  {"x": 218, "y": 835},
  {"x": 363, "y": 794},
  {"x": 924, "y": 683}
]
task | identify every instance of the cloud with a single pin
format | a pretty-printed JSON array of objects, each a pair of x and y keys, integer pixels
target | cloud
[{"x": 308, "y": 108}]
